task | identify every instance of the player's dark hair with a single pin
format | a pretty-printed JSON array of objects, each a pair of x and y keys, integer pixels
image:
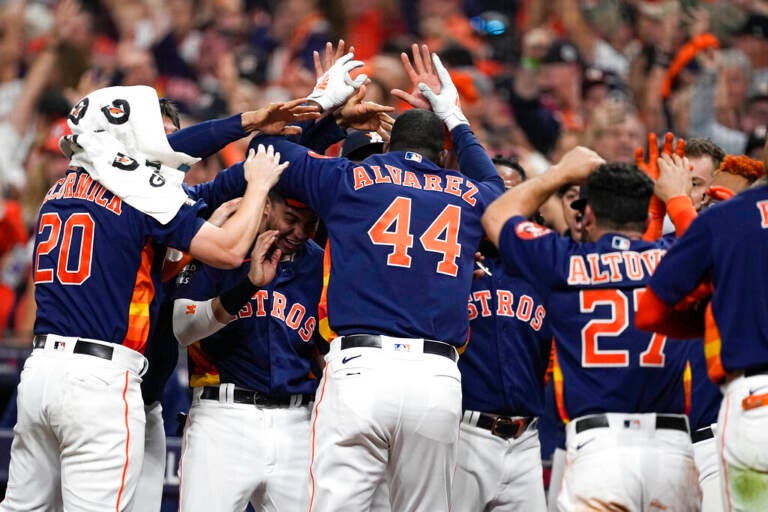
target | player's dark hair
[
  {"x": 512, "y": 164},
  {"x": 619, "y": 194},
  {"x": 702, "y": 146},
  {"x": 169, "y": 109},
  {"x": 420, "y": 131}
]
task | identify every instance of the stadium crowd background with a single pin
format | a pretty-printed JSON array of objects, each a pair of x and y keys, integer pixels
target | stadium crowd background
[{"x": 536, "y": 77}]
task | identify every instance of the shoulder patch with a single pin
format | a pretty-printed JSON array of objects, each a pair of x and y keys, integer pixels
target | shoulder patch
[{"x": 529, "y": 230}]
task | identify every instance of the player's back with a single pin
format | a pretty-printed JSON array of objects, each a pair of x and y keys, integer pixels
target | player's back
[
  {"x": 93, "y": 262},
  {"x": 402, "y": 236},
  {"x": 607, "y": 364}
]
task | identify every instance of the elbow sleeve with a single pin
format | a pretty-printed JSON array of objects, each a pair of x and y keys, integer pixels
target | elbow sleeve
[{"x": 193, "y": 320}]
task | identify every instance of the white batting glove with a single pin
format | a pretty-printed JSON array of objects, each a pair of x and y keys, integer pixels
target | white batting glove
[
  {"x": 446, "y": 103},
  {"x": 335, "y": 86}
]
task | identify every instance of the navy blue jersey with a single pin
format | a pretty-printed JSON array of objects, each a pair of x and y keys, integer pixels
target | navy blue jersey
[
  {"x": 705, "y": 395},
  {"x": 402, "y": 234},
  {"x": 269, "y": 346},
  {"x": 504, "y": 364},
  {"x": 726, "y": 243},
  {"x": 590, "y": 291},
  {"x": 95, "y": 262}
]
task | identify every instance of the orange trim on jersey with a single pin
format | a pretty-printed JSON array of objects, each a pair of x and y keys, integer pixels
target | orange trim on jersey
[
  {"x": 202, "y": 371},
  {"x": 323, "y": 325},
  {"x": 138, "y": 312},
  {"x": 127, "y": 445},
  {"x": 327, "y": 372},
  {"x": 687, "y": 383},
  {"x": 557, "y": 380},
  {"x": 712, "y": 347}
]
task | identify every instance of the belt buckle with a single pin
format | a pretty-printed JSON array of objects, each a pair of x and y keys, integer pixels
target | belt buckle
[{"x": 502, "y": 421}]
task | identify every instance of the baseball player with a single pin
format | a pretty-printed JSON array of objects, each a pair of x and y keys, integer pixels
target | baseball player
[
  {"x": 712, "y": 248},
  {"x": 402, "y": 234},
  {"x": 80, "y": 410},
  {"x": 253, "y": 372},
  {"x": 628, "y": 442},
  {"x": 502, "y": 371}
]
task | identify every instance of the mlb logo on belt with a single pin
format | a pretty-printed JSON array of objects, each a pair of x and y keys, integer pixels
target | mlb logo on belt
[
  {"x": 59, "y": 345},
  {"x": 632, "y": 424},
  {"x": 402, "y": 347}
]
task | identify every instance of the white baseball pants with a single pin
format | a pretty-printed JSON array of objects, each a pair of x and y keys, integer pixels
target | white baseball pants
[
  {"x": 495, "y": 474},
  {"x": 233, "y": 454},
  {"x": 385, "y": 414},
  {"x": 743, "y": 446},
  {"x": 149, "y": 492},
  {"x": 79, "y": 435},
  {"x": 630, "y": 465},
  {"x": 707, "y": 462}
]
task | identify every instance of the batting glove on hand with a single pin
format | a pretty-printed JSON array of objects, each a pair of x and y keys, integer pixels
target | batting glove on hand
[
  {"x": 335, "y": 86},
  {"x": 446, "y": 103}
]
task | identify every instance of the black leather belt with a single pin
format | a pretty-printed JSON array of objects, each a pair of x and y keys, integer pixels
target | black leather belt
[
  {"x": 664, "y": 421},
  {"x": 374, "y": 341},
  {"x": 81, "y": 347},
  {"x": 246, "y": 396},
  {"x": 504, "y": 426},
  {"x": 756, "y": 370},
  {"x": 702, "y": 434}
]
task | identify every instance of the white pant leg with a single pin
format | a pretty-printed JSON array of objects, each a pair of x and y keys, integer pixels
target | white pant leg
[
  {"x": 34, "y": 471},
  {"x": 494, "y": 474},
  {"x": 149, "y": 493},
  {"x": 743, "y": 446},
  {"x": 407, "y": 402},
  {"x": 556, "y": 479},
  {"x": 633, "y": 467},
  {"x": 380, "y": 501},
  {"x": 287, "y": 474},
  {"x": 705, "y": 455}
]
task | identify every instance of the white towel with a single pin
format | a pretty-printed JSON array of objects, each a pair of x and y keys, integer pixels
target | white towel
[{"x": 118, "y": 137}]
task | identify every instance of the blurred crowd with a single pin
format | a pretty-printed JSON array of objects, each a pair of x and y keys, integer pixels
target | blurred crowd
[{"x": 536, "y": 78}]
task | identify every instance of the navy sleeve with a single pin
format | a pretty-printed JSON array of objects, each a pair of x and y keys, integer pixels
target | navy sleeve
[
  {"x": 684, "y": 266},
  {"x": 181, "y": 230},
  {"x": 318, "y": 136},
  {"x": 204, "y": 139},
  {"x": 228, "y": 184},
  {"x": 311, "y": 178},
  {"x": 474, "y": 162}
]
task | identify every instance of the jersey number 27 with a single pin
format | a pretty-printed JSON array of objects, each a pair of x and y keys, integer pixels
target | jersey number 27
[
  {"x": 393, "y": 228},
  {"x": 594, "y": 357}
]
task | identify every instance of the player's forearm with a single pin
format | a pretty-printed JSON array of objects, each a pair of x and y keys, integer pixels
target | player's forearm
[
  {"x": 204, "y": 139},
  {"x": 195, "y": 320},
  {"x": 524, "y": 199},
  {"x": 226, "y": 247}
]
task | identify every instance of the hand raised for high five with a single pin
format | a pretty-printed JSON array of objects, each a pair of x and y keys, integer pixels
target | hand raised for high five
[
  {"x": 421, "y": 71},
  {"x": 365, "y": 115},
  {"x": 274, "y": 118},
  {"x": 335, "y": 85}
]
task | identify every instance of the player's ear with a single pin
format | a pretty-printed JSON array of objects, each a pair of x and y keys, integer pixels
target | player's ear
[{"x": 442, "y": 158}]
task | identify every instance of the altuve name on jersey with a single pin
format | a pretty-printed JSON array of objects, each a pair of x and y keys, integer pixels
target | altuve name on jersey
[
  {"x": 80, "y": 185},
  {"x": 448, "y": 184},
  {"x": 613, "y": 267}
]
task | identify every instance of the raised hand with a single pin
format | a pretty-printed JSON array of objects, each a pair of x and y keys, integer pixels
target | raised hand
[
  {"x": 335, "y": 86},
  {"x": 263, "y": 166},
  {"x": 274, "y": 118},
  {"x": 329, "y": 57},
  {"x": 421, "y": 71},
  {"x": 578, "y": 163},
  {"x": 365, "y": 115},
  {"x": 263, "y": 269},
  {"x": 445, "y": 103},
  {"x": 674, "y": 177}
]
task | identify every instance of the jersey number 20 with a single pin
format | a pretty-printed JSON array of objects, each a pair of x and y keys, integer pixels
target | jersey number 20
[
  {"x": 66, "y": 273},
  {"x": 393, "y": 228},
  {"x": 595, "y": 329}
]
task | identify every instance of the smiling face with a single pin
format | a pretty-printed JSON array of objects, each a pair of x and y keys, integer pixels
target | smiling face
[{"x": 296, "y": 225}]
